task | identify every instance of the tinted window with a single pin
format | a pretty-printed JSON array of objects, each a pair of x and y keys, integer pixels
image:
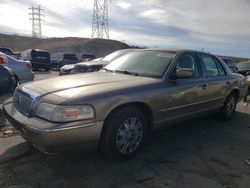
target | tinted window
[
  {"x": 210, "y": 65},
  {"x": 189, "y": 61},
  {"x": 40, "y": 54},
  {"x": 70, "y": 56}
]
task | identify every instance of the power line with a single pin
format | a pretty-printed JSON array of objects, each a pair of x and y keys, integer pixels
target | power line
[
  {"x": 36, "y": 21},
  {"x": 100, "y": 21}
]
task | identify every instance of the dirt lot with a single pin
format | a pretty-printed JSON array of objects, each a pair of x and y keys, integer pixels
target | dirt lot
[{"x": 203, "y": 153}]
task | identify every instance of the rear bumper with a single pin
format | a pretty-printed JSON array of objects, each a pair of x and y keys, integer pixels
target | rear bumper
[
  {"x": 46, "y": 135},
  {"x": 27, "y": 77}
]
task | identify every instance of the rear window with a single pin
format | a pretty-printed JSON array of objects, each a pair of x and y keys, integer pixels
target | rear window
[
  {"x": 70, "y": 56},
  {"x": 229, "y": 62},
  {"x": 43, "y": 54}
]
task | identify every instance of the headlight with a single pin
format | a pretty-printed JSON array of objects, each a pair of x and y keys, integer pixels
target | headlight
[{"x": 65, "y": 113}]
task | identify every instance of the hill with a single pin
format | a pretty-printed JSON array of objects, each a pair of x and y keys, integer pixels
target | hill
[{"x": 99, "y": 47}]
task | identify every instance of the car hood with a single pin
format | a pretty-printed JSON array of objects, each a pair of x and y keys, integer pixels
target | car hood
[{"x": 86, "y": 84}]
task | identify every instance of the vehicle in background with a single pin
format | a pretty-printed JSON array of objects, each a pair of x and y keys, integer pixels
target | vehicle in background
[
  {"x": 22, "y": 70},
  {"x": 231, "y": 64},
  {"x": 244, "y": 68},
  {"x": 83, "y": 68},
  {"x": 38, "y": 58},
  {"x": 7, "y": 80},
  {"x": 58, "y": 60},
  {"x": 96, "y": 64},
  {"x": 9, "y": 52},
  {"x": 83, "y": 57},
  {"x": 115, "y": 109}
]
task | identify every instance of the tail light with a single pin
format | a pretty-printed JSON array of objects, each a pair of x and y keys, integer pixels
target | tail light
[
  {"x": 29, "y": 65},
  {"x": 3, "y": 59}
]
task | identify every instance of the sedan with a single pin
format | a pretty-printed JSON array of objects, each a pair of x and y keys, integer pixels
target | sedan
[
  {"x": 115, "y": 109},
  {"x": 22, "y": 70}
]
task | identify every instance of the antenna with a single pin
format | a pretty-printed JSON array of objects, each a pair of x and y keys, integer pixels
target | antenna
[
  {"x": 36, "y": 21},
  {"x": 100, "y": 21}
]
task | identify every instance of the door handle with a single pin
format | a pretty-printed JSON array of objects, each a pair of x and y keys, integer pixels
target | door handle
[{"x": 204, "y": 86}]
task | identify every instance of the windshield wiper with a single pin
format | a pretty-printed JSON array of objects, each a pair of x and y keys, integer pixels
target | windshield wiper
[{"x": 127, "y": 72}]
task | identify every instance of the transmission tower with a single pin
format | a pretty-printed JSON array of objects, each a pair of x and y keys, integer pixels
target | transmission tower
[
  {"x": 100, "y": 21},
  {"x": 36, "y": 15}
]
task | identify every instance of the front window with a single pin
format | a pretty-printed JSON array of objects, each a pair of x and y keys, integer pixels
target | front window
[{"x": 142, "y": 63}]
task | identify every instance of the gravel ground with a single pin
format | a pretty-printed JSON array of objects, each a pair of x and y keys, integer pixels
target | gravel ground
[{"x": 202, "y": 152}]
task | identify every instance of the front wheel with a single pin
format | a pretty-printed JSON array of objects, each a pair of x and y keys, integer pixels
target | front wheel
[
  {"x": 228, "y": 109},
  {"x": 124, "y": 133}
]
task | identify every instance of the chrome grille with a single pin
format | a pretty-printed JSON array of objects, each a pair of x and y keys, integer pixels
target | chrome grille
[{"x": 22, "y": 102}]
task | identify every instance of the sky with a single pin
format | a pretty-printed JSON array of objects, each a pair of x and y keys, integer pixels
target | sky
[{"x": 218, "y": 26}]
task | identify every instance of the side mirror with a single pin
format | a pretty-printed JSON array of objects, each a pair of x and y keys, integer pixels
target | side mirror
[{"x": 184, "y": 73}]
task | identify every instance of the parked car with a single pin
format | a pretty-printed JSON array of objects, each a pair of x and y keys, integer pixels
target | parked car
[
  {"x": 8, "y": 51},
  {"x": 231, "y": 64},
  {"x": 93, "y": 65},
  {"x": 38, "y": 58},
  {"x": 7, "y": 80},
  {"x": 83, "y": 57},
  {"x": 116, "y": 108},
  {"x": 60, "y": 59},
  {"x": 244, "y": 68},
  {"x": 22, "y": 70}
]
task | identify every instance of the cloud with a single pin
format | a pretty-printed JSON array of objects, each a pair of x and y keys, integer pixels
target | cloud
[
  {"x": 123, "y": 4},
  {"x": 219, "y": 26}
]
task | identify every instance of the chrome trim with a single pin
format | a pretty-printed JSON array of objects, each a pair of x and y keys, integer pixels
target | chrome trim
[
  {"x": 32, "y": 94},
  {"x": 186, "y": 105},
  {"x": 60, "y": 129}
]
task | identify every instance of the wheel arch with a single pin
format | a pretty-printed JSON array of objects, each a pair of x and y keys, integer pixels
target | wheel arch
[{"x": 140, "y": 105}]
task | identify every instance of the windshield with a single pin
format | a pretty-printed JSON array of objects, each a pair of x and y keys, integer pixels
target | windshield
[
  {"x": 114, "y": 55},
  {"x": 142, "y": 63},
  {"x": 243, "y": 66}
]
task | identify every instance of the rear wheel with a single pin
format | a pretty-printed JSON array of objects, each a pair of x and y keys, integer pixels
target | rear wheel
[
  {"x": 228, "y": 109},
  {"x": 124, "y": 133}
]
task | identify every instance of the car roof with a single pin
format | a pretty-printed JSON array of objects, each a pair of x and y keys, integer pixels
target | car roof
[{"x": 174, "y": 50}]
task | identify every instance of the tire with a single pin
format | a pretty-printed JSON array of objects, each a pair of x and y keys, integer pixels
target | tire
[
  {"x": 124, "y": 133},
  {"x": 228, "y": 109}
]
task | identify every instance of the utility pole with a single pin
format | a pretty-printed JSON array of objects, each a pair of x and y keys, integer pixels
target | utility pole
[
  {"x": 100, "y": 21},
  {"x": 36, "y": 15}
]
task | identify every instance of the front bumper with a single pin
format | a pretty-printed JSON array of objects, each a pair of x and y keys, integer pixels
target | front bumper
[{"x": 44, "y": 134}]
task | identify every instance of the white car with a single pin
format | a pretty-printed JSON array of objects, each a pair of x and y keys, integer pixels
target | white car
[{"x": 22, "y": 69}]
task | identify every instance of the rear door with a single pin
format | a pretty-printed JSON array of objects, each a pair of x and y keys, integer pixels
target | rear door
[{"x": 216, "y": 79}]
